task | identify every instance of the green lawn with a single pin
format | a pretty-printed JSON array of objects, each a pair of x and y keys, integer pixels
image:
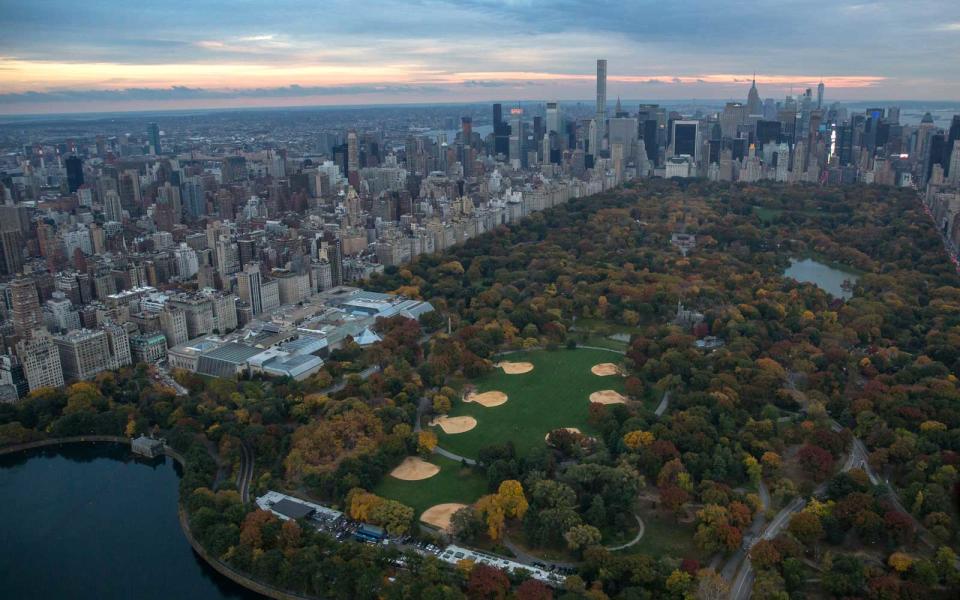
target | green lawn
[
  {"x": 555, "y": 394},
  {"x": 664, "y": 537},
  {"x": 451, "y": 484}
]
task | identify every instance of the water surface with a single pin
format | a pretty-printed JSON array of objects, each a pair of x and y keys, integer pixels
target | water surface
[
  {"x": 829, "y": 279},
  {"x": 89, "y": 521}
]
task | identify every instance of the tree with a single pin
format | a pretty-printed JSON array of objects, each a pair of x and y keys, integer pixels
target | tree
[
  {"x": 426, "y": 442},
  {"x": 512, "y": 499},
  {"x": 816, "y": 461},
  {"x": 845, "y": 577},
  {"x": 251, "y": 532},
  {"x": 532, "y": 589},
  {"x": 764, "y": 554},
  {"x": 769, "y": 585},
  {"x": 637, "y": 439},
  {"x": 900, "y": 562},
  {"x": 466, "y": 524},
  {"x": 711, "y": 586},
  {"x": 582, "y": 536},
  {"x": 492, "y": 512},
  {"x": 678, "y": 583},
  {"x": 487, "y": 583},
  {"x": 441, "y": 404},
  {"x": 806, "y": 527}
]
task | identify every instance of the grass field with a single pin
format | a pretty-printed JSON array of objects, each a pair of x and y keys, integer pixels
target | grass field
[
  {"x": 663, "y": 536},
  {"x": 555, "y": 394},
  {"x": 451, "y": 484}
]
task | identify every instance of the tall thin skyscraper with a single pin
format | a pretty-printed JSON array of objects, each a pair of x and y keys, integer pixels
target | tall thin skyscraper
[
  {"x": 598, "y": 125},
  {"x": 820, "y": 89},
  {"x": 74, "y": 173},
  {"x": 601, "y": 90},
  {"x": 153, "y": 134}
]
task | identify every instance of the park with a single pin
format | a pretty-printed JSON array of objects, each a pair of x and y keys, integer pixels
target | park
[{"x": 554, "y": 393}]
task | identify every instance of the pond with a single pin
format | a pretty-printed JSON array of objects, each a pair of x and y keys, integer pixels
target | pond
[
  {"x": 829, "y": 279},
  {"x": 89, "y": 521}
]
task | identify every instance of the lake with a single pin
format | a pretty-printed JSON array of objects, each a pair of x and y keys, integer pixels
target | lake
[
  {"x": 89, "y": 521},
  {"x": 827, "y": 278}
]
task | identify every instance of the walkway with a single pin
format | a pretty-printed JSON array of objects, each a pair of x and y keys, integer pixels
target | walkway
[
  {"x": 635, "y": 540},
  {"x": 664, "y": 403},
  {"x": 245, "y": 475},
  {"x": 452, "y": 456}
]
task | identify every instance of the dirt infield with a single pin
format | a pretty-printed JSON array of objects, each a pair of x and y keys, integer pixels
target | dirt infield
[
  {"x": 515, "y": 368},
  {"x": 605, "y": 369},
  {"x": 453, "y": 425},
  {"x": 414, "y": 469},
  {"x": 487, "y": 399},
  {"x": 439, "y": 515},
  {"x": 607, "y": 397},
  {"x": 546, "y": 438}
]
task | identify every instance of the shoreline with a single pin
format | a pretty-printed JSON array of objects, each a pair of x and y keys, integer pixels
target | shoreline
[{"x": 215, "y": 563}]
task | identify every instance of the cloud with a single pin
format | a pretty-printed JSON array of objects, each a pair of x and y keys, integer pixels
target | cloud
[{"x": 174, "y": 93}]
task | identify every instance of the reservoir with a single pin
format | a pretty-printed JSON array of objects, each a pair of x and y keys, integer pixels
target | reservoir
[
  {"x": 89, "y": 521},
  {"x": 827, "y": 278}
]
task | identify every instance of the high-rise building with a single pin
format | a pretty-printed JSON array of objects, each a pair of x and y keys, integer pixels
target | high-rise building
[
  {"x": 187, "y": 262},
  {"x": 353, "y": 159},
  {"x": 25, "y": 305},
  {"x": 501, "y": 132},
  {"x": 599, "y": 123},
  {"x": 11, "y": 251},
  {"x": 40, "y": 360},
  {"x": 112, "y": 210},
  {"x": 153, "y": 135},
  {"x": 553, "y": 117},
  {"x": 601, "y": 90},
  {"x": 173, "y": 324},
  {"x": 820, "y": 90},
  {"x": 83, "y": 353},
  {"x": 686, "y": 139},
  {"x": 118, "y": 341},
  {"x": 249, "y": 287},
  {"x": 74, "y": 167},
  {"x": 754, "y": 103},
  {"x": 148, "y": 347},
  {"x": 11, "y": 374},
  {"x": 516, "y": 132}
]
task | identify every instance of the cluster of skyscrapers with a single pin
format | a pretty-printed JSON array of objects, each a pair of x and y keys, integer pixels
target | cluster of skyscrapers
[{"x": 201, "y": 246}]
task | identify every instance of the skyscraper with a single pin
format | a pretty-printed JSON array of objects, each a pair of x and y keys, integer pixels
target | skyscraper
[
  {"x": 501, "y": 131},
  {"x": 111, "y": 206},
  {"x": 41, "y": 361},
  {"x": 686, "y": 139},
  {"x": 516, "y": 129},
  {"x": 74, "y": 167},
  {"x": 754, "y": 104},
  {"x": 553, "y": 117},
  {"x": 820, "y": 89},
  {"x": 601, "y": 89},
  {"x": 25, "y": 305},
  {"x": 153, "y": 136},
  {"x": 598, "y": 126},
  {"x": 249, "y": 287}
]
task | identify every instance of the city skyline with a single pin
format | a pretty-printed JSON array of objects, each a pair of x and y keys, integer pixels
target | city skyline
[{"x": 65, "y": 58}]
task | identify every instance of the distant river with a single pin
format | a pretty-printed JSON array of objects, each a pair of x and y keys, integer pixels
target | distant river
[
  {"x": 823, "y": 276},
  {"x": 88, "y": 521}
]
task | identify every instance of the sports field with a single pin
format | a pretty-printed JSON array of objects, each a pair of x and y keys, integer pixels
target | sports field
[
  {"x": 451, "y": 484},
  {"x": 554, "y": 394}
]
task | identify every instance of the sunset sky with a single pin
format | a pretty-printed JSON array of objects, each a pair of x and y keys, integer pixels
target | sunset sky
[{"x": 60, "y": 55}]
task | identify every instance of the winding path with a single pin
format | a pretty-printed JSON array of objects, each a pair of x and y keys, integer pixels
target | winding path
[
  {"x": 452, "y": 456},
  {"x": 635, "y": 540},
  {"x": 245, "y": 475}
]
